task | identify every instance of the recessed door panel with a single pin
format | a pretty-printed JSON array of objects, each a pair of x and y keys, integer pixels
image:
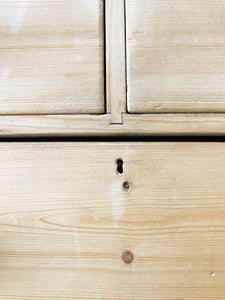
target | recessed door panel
[
  {"x": 51, "y": 57},
  {"x": 176, "y": 56}
]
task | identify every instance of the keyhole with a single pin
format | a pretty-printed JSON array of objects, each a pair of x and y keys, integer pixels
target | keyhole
[{"x": 119, "y": 163}]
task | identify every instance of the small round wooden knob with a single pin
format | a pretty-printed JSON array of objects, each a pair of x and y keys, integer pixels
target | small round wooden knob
[{"x": 128, "y": 257}]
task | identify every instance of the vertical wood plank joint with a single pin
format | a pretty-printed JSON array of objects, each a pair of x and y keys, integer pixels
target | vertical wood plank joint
[{"x": 115, "y": 59}]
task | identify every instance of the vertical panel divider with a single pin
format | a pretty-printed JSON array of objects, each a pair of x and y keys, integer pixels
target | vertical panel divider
[{"x": 115, "y": 46}]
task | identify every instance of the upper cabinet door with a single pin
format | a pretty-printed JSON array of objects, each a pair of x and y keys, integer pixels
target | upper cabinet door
[
  {"x": 51, "y": 56},
  {"x": 176, "y": 56}
]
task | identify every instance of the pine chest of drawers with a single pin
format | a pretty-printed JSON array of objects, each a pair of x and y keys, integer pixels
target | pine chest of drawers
[{"x": 95, "y": 208}]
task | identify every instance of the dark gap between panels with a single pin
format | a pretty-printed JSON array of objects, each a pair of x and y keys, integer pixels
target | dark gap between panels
[{"x": 116, "y": 138}]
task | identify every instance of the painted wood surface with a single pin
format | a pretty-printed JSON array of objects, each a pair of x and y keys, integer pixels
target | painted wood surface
[
  {"x": 176, "y": 56},
  {"x": 51, "y": 56},
  {"x": 67, "y": 224}
]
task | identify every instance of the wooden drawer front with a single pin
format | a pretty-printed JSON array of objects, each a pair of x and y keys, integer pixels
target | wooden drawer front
[
  {"x": 66, "y": 221},
  {"x": 51, "y": 56},
  {"x": 176, "y": 56}
]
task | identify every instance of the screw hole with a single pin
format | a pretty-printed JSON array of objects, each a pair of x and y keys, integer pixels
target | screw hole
[
  {"x": 119, "y": 163},
  {"x": 126, "y": 186}
]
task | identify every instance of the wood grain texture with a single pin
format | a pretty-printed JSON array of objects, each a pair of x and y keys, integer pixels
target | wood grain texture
[
  {"x": 65, "y": 221},
  {"x": 174, "y": 124},
  {"x": 96, "y": 125},
  {"x": 54, "y": 125},
  {"x": 51, "y": 56},
  {"x": 115, "y": 60},
  {"x": 176, "y": 56}
]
